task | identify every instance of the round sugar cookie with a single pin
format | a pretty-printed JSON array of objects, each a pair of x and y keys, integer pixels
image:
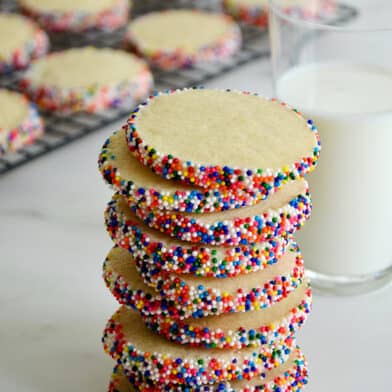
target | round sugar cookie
[
  {"x": 87, "y": 79},
  {"x": 139, "y": 185},
  {"x": 255, "y": 12},
  {"x": 215, "y": 138},
  {"x": 289, "y": 377},
  {"x": 175, "y": 39},
  {"x": 208, "y": 296},
  {"x": 238, "y": 330},
  {"x": 128, "y": 340},
  {"x": 77, "y": 15},
  {"x": 21, "y": 41},
  {"x": 167, "y": 318},
  {"x": 172, "y": 255},
  {"x": 20, "y": 123},
  {"x": 283, "y": 213},
  {"x": 252, "y": 12}
]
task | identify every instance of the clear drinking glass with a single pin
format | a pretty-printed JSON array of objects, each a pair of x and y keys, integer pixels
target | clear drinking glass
[{"x": 333, "y": 62}]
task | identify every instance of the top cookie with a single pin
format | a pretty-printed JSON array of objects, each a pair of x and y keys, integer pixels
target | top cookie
[
  {"x": 173, "y": 39},
  {"x": 213, "y": 138},
  {"x": 77, "y": 15}
]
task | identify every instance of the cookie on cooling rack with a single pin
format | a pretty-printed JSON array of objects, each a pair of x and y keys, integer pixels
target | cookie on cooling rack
[
  {"x": 21, "y": 41},
  {"x": 87, "y": 79},
  {"x": 20, "y": 124},
  {"x": 77, "y": 15},
  {"x": 255, "y": 12},
  {"x": 175, "y": 39}
]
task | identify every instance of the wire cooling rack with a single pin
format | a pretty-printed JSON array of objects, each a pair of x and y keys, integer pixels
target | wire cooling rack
[{"x": 61, "y": 130}]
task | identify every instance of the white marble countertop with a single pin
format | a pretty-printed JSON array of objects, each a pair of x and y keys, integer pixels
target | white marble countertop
[{"x": 54, "y": 304}]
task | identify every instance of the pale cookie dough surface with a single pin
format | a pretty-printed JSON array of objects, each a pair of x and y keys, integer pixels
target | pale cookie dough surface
[
  {"x": 178, "y": 29},
  {"x": 15, "y": 33},
  {"x": 225, "y": 128},
  {"x": 13, "y": 109},
  {"x": 86, "y": 67},
  {"x": 93, "y": 6}
]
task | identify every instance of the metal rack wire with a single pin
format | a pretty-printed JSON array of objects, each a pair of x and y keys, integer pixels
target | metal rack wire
[{"x": 61, "y": 130}]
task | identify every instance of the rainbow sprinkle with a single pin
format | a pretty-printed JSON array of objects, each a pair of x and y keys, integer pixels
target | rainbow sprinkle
[
  {"x": 197, "y": 302},
  {"x": 292, "y": 380},
  {"x": 200, "y": 300},
  {"x": 244, "y": 229},
  {"x": 185, "y": 332},
  {"x": 180, "y": 257},
  {"x": 163, "y": 368}
]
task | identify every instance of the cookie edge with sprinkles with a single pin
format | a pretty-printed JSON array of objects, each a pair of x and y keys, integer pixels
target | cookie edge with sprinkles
[
  {"x": 163, "y": 368},
  {"x": 78, "y": 21},
  {"x": 195, "y": 200},
  {"x": 35, "y": 48},
  {"x": 167, "y": 60},
  {"x": 24, "y": 134},
  {"x": 214, "y": 176},
  {"x": 89, "y": 99},
  {"x": 197, "y": 259}
]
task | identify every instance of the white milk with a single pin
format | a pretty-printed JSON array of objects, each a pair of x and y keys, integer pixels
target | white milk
[{"x": 350, "y": 232}]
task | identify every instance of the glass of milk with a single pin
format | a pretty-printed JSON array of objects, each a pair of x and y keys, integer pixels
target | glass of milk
[{"x": 339, "y": 73}]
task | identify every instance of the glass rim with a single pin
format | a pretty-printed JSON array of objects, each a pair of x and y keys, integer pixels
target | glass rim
[{"x": 274, "y": 7}]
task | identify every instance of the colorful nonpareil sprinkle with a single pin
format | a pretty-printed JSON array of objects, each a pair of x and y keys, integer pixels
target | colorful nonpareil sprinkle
[
  {"x": 140, "y": 186},
  {"x": 93, "y": 98},
  {"x": 202, "y": 297},
  {"x": 130, "y": 289},
  {"x": 36, "y": 46},
  {"x": 78, "y": 20},
  {"x": 128, "y": 232},
  {"x": 179, "y": 55},
  {"x": 209, "y": 176},
  {"x": 250, "y": 225},
  {"x": 290, "y": 377},
  {"x": 138, "y": 349},
  {"x": 215, "y": 334},
  {"x": 23, "y": 134}
]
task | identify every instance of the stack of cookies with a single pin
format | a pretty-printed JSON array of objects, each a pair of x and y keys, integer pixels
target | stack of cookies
[{"x": 209, "y": 189}]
